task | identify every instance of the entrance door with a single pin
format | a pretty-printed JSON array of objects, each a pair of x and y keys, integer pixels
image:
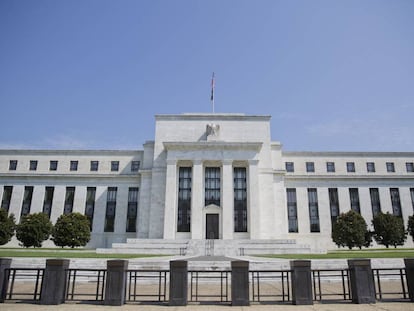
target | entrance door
[{"x": 212, "y": 226}]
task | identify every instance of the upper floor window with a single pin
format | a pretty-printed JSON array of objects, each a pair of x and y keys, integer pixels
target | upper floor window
[
  {"x": 330, "y": 167},
  {"x": 290, "y": 167},
  {"x": 53, "y": 165},
  {"x": 310, "y": 167},
  {"x": 94, "y": 166},
  {"x": 135, "y": 166},
  {"x": 33, "y": 165},
  {"x": 114, "y": 166},
  {"x": 73, "y": 165},
  {"x": 13, "y": 165},
  {"x": 410, "y": 167},
  {"x": 370, "y": 167},
  {"x": 390, "y": 167},
  {"x": 350, "y": 167},
  {"x": 212, "y": 186}
]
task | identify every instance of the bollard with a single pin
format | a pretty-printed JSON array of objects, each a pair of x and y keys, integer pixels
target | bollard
[
  {"x": 240, "y": 283},
  {"x": 54, "y": 282},
  {"x": 5, "y": 263},
  {"x": 362, "y": 281},
  {"x": 301, "y": 282},
  {"x": 178, "y": 283},
  {"x": 409, "y": 275},
  {"x": 116, "y": 279}
]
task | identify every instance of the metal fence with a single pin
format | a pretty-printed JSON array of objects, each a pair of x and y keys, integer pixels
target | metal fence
[
  {"x": 390, "y": 284},
  {"x": 23, "y": 283},
  {"x": 85, "y": 284},
  {"x": 204, "y": 287},
  {"x": 331, "y": 284},
  {"x": 270, "y": 286},
  {"x": 147, "y": 285}
]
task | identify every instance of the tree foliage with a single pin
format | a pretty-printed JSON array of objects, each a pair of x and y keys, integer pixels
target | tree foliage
[
  {"x": 33, "y": 229},
  {"x": 410, "y": 227},
  {"x": 389, "y": 230},
  {"x": 350, "y": 229},
  {"x": 71, "y": 230},
  {"x": 7, "y": 226}
]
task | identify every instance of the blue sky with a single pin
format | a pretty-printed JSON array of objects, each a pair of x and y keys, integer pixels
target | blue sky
[{"x": 334, "y": 75}]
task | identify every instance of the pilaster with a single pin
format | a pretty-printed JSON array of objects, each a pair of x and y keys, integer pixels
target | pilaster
[
  {"x": 170, "y": 212},
  {"x": 197, "y": 202},
  {"x": 227, "y": 200},
  {"x": 253, "y": 200}
]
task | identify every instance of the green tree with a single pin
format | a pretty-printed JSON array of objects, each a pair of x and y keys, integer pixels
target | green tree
[
  {"x": 350, "y": 229},
  {"x": 7, "y": 226},
  {"x": 410, "y": 227},
  {"x": 33, "y": 229},
  {"x": 389, "y": 230},
  {"x": 71, "y": 230}
]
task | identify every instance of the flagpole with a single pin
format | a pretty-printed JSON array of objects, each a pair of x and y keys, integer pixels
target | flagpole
[{"x": 212, "y": 91}]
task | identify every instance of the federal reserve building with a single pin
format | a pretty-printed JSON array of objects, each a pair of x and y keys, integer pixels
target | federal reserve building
[{"x": 208, "y": 177}]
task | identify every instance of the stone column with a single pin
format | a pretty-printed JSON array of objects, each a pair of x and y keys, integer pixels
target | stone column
[
  {"x": 116, "y": 280},
  {"x": 54, "y": 282},
  {"x": 170, "y": 212},
  {"x": 197, "y": 201},
  {"x": 228, "y": 200},
  {"x": 409, "y": 275},
  {"x": 301, "y": 282},
  {"x": 362, "y": 281},
  {"x": 5, "y": 263},
  {"x": 178, "y": 283},
  {"x": 253, "y": 200},
  {"x": 240, "y": 283}
]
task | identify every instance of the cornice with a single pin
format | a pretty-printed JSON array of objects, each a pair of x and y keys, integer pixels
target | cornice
[
  {"x": 209, "y": 145},
  {"x": 347, "y": 154},
  {"x": 211, "y": 117}
]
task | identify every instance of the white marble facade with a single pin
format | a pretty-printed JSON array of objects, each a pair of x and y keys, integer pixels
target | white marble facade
[{"x": 197, "y": 142}]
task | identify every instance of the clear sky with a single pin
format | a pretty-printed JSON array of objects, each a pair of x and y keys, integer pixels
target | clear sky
[{"x": 91, "y": 74}]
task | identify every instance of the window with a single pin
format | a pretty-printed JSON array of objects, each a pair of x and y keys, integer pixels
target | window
[
  {"x": 184, "y": 199},
  {"x": 73, "y": 165},
  {"x": 330, "y": 167},
  {"x": 411, "y": 192},
  {"x": 114, "y": 166},
  {"x": 33, "y": 165},
  {"x": 395, "y": 201},
  {"x": 53, "y": 165},
  {"x": 47, "y": 202},
  {"x": 13, "y": 165},
  {"x": 212, "y": 186},
  {"x": 313, "y": 210},
  {"x": 132, "y": 210},
  {"x": 27, "y": 200},
  {"x": 240, "y": 199},
  {"x": 370, "y": 167},
  {"x": 354, "y": 198},
  {"x": 90, "y": 205},
  {"x": 334, "y": 204},
  {"x": 350, "y": 167},
  {"x": 135, "y": 166},
  {"x": 290, "y": 167},
  {"x": 110, "y": 209},
  {"x": 390, "y": 167},
  {"x": 7, "y": 193},
  {"x": 292, "y": 209},
  {"x": 310, "y": 167},
  {"x": 375, "y": 201},
  {"x": 94, "y": 166},
  {"x": 69, "y": 198},
  {"x": 410, "y": 167}
]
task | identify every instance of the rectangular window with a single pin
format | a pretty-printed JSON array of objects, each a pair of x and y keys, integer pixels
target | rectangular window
[
  {"x": 33, "y": 165},
  {"x": 90, "y": 205},
  {"x": 94, "y": 166},
  {"x": 370, "y": 167},
  {"x": 132, "y": 210},
  {"x": 350, "y": 167},
  {"x": 290, "y": 167},
  {"x": 12, "y": 165},
  {"x": 7, "y": 194},
  {"x": 395, "y": 201},
  {"x": 184, "y": 199},
  {"x": 390, "y": 167},
  {"x": 110, "y": 209},
  {"x": 334, "y": 204},
  {"x": 53, "y": 165},
  {"x": 410, "y": 167},
  {"x": 114, "y": 166},
  {"x": 73, "y": 165},
  {"x": 330, "y": 167},
  {"x": 27, "y": 200},
  {"x": 292, "y": 207},
  {"x": 69, "y": 198},
  {"x": 135, "y": 166},
  {"x": 412, "y": 197},
  {"x": 310, "y": 167},
  {"x": 354, "y": 198},
  {"x": 47, "y": 202},
  {"x": 313, "y": 210},
  {"x": 375, "y": 201},
  {"x": 240, "y": 199},
  {"x": 212, "y": 186}
]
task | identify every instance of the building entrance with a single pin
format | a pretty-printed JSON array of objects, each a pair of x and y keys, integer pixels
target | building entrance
[{"x": 212, "y": 226}]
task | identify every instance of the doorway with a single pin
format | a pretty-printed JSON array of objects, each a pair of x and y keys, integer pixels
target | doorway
[{"x": 212, "y": 226}]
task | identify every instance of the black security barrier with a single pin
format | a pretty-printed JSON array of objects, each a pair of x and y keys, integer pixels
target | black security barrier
[
  {"x": 5, "y": 263},
  {"x": 240, "y": 283},
  {"x": 301, "y": 282},
  {"x": 116, "y": 280},
  {"x": 409, "y": 273},
  {"x": 54, "y": 282},
  {"x": 178, "y": 283},
  {"x": 85, "y": 284},
  {"x": 362, "y": 281}
]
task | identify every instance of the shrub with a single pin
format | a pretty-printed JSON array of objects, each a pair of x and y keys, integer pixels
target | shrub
[
  {"x": 350, "y": 229},
  {"x": 410, "y": 227},
  {"x": 71, "y": 230},
  {"x": 33, "y": 229},
  {"x": 389, "y": 230},
  {"x": 7, "y": 226}
]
